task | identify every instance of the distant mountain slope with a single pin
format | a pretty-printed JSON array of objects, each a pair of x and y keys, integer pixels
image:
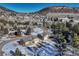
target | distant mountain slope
[
  {"x": 59, "y": 9},
  {"x": 53, "y": 9}
]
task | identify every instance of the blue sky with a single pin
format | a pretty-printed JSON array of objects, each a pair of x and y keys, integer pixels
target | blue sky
[{"x": 32, "y": 7}]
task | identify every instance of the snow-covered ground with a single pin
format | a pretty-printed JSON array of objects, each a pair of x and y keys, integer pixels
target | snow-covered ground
[
  {"x": 12, "y": 46},
  {"x": 37, "y": 31},
  {"x": 46, "y": 50},
  {"x": 5, "y": 38}
]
